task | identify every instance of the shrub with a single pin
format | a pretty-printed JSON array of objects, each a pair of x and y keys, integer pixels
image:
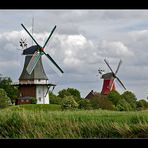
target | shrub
[
  {"x": 101, "y": 102},
  {"x": 84, "y": 104},
  {"x": 11, "y": 90},
  {"x": 70, "y": 92},
  {"x": 33, "y": 100},
  {"x": 53, "y": 99},
  {"x": 123, "y": 105},
  {"x": 114, "y": 97},
  {"x": 69, "y": 103},
  {"x": 130, "y": 98},
  {"x": 4, "y": 99},
  {"x": 142, "y": 104}
]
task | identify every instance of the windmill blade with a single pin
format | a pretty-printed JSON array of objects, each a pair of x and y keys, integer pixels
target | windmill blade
[
  {"x": 49, "y": 36},
  {"x": 120, "y": 62},
  {"x": 34, "y": 60},
  {"x": 121, "y": 83},
  {"x": 111, "y": 84},
  {"x": 54, "y": 65},
  {"x": 30, "y": 35},
  {"x": 108, "y": 66}
]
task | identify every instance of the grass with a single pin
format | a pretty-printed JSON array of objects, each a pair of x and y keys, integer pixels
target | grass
[
  {"x": 36, "y": 107},
  {"x": 34, "y": 121}
]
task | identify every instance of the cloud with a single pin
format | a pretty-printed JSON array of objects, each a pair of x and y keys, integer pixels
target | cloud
[
  {"x": 81, "y": 41},
  {"x": 139, "y": 35},
  {"x": 114, "y": 49}
]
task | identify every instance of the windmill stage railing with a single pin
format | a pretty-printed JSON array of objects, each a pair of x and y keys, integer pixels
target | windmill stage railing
[{"x": 22, "y": 82}]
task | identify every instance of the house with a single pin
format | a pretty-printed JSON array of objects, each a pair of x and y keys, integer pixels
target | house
[{"x": 92, "y": 94}]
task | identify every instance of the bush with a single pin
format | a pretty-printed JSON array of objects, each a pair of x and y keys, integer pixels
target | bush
[
  {"x": 70, "y": 92},
  {"x": 53, "y": 99},
  {"x": 101, "y": 102},
  {"x": 84, "y": 104},
  {"x": 33, "y": 100},
  {"x": 114, "y": 97},
  {"x": 130, "y": 98},
  {"x": 69, "y": 103},
  {"x": 4, "y": 99},
  {"x": 142, "y": 104},
  {"x": 12, "y": 91},
  {"x": 123, "y": 105}
]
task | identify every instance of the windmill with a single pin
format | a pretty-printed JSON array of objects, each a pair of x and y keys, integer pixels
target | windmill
[
  {"x": 109, "y": 79},
  {"x": 39, "y": 52},
  {"x": 33, "y": 81}
]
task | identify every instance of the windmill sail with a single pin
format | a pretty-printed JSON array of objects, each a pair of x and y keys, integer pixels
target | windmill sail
[
  {"x": 54, "y": 66},
  {"x": 118, "y": 67},
  {"x": 37, "y": 55},
  {"x": 49, "y": 36},
  {"x": 114, "y": 75},
  {"x": 111, "y": 84},
  {"x": 121, "y": 83},
  {"x": 34, "y": 60}
]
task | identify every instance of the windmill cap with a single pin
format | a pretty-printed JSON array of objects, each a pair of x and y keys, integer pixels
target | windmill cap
[{"x": 30, "y": 50}]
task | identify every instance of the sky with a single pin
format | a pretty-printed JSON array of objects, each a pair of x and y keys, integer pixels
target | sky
[{"x": 79, "y": 45}]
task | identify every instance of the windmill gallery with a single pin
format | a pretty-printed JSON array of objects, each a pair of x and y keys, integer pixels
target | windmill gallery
[{"x": 33, "y": 81}]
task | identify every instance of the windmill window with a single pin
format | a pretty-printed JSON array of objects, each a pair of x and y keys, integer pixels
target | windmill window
[{"x": 39, "y": 98}]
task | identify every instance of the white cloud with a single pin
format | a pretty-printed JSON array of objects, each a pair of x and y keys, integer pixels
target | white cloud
[{"x": 114, "y": 49}]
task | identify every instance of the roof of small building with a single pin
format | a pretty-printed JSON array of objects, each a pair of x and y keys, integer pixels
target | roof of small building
[{"x": 92, "y": 94}]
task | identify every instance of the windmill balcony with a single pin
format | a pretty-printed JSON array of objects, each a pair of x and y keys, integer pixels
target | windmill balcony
[{"x": 32, "y": 82}]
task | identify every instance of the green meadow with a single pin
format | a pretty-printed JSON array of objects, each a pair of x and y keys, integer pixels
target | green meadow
[{"x": 49, "y": 121}]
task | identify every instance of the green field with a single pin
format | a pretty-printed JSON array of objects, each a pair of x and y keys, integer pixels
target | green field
[{"x": 49, "y": 121}]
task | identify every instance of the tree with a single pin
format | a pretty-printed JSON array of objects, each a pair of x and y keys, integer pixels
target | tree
[
  {"x": 4, "y": 99},
  {"x": 114, "y": 97},
  {"x": 53, "y": 99},
  {"x": 101, "y": 101},
  {"x": 84, "y": 104},
  {"x": 123, "y": 105},
  {"x": 12, "y": 91},
  {"x": 69, "y": 103},
  {"x": 70, "y": 92},
  {"x": 142, "y": 104},
  {"x": 130, "y": 98}
]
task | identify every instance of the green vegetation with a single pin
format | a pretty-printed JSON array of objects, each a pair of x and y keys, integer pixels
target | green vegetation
[
  {"x": 69, "y": 92},
  {"x": 84, "y": 104},
  {"x": 113, "y": 101},
  {"x": 102, "y": 102},
  {"x": 53, "y": 99},
  {"x": 12, "y": 91},
  {"x": 69, "y": 103},
  {"x": 33, "y": 100},
  {"x": 70, "y": 116},
  {"x": 36, "y": 107},
  {"x": 114, "y": 97},
  {"x": 4, "y": 99},
  {"x": 31, "y": 123}
]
